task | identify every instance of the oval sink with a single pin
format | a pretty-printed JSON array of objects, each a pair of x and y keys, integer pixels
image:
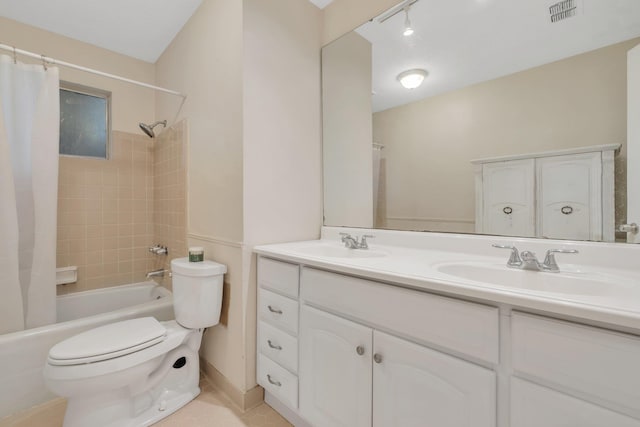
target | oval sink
[
  {"x": 587, "y": 284},
  {"x": 329, "y": 251}
]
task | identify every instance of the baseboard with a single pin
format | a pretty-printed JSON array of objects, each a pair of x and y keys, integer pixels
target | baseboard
[{"x": 243, "y": 400}]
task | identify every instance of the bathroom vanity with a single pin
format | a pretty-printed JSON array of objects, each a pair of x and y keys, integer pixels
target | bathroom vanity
[{"x": 435, "y": 330}]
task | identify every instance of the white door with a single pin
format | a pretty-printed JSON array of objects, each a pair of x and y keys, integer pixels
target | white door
[
  {"x": 414, "y": 386},
  {"x": 508, "y": 203},
  {"x": 633, "y": 141},
  {"x": 569, "y": 194},
  {"x": 536, "y": 406},
  {"x": 335, "y": 370}
]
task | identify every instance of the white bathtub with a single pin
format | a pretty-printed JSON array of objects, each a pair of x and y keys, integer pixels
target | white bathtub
[{"x": 23, "y": 354}]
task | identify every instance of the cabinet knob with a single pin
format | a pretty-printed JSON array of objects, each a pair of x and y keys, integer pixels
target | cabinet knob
[
  {"x": 360, "y": 350},
  {"x": 274, "y": 346},
  {"x": 567, "y": 210},
  {"x": 377, "y": 358},
  {"x": 274, "y": 310},
  {"x": 507, "y": 210},
  {"x": 274, "y": 382}
]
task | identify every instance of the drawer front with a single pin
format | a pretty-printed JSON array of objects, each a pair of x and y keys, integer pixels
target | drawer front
[
  {"x": 279, "y": 311},
  {"x": 463, "y": 327},
  {"x": 278, "y": 381},
  {"x": 279, "y": 276},
  {"x": 278, "y": 346},
  {"x": 593, "y": 362},
  {"x": 537, "y": 406}
]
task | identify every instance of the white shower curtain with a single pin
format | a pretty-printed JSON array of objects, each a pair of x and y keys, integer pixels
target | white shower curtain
[{"x": 29, "y": 129}]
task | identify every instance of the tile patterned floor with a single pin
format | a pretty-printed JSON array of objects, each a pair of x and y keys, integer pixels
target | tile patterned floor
[{"x": 211, "y": 408}]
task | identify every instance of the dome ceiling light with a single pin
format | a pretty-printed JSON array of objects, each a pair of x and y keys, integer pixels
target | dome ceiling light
[{"x": 412, "y": 79}]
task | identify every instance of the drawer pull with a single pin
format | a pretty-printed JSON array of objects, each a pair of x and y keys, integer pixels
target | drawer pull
[
  {"x": 274, "y": 346},
  {"x": 274, "y": 310},
  {"x": 275, "y": 383},
  {"x": 377, "y": 358},
  {"x": 360, "y": 350}
]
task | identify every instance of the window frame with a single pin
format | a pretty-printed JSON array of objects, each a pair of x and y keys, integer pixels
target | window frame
[{"x": 97, "y": 93}]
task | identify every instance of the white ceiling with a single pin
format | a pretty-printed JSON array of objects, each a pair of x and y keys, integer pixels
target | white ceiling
[
  {"x": 464, "y": 42},
  {"x": 139, "y": 28}
]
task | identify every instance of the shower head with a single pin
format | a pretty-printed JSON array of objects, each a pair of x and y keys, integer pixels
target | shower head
[{"x": 148, "y": 129}]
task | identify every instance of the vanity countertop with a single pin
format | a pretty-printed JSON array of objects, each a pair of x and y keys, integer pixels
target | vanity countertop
[{"x": 599, "y": 294}]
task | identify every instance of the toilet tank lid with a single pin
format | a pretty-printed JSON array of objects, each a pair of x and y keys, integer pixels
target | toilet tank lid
[
  {"x": 110, "y": 339},
  {"x": 197, "y": 269}
]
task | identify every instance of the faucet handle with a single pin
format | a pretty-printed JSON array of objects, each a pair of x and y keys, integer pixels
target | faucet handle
[
  {"x": 514, "y": 258},
  {"x": 550, "y": 263},
  {"x": 344, "y": 236},
  {"x": 363, "y": 241}
]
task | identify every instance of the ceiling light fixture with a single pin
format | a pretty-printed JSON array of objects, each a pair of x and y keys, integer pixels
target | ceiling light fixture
[
  {"x": 407, "y": 22},
  {"x": 412, "y": 79}
]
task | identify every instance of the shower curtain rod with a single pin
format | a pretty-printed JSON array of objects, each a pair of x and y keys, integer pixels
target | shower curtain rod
[{"x": 52, "y": 61}]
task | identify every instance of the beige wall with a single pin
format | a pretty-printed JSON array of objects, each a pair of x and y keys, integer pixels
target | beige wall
[
  {"x": 282, "y": 147},
  {"x": 575, "y": 102},
  {"x": 130, "y": 104},
  {"x": 347, "y": 138},
  {"x": 205, "y": 62},
  {"x": 251, "y": 70}
]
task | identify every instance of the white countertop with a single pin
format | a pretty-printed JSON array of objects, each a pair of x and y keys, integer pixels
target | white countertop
[{"x": 419, "y": 268}]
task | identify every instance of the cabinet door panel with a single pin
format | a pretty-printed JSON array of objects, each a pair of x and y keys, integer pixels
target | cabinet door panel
[
  {"x": 508, "y": 198},
  {"x": 417, "y": 386},
  {"x": 536, "y": 406},
  {"x": 569, "y": 193},
  {"x": 335, "y": 381}
]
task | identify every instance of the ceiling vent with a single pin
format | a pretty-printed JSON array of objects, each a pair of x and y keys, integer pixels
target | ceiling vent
[{"x": 563, "y": 10}]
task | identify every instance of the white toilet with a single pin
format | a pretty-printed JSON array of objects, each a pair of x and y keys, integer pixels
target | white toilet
[{"x": 138, "y": 371}]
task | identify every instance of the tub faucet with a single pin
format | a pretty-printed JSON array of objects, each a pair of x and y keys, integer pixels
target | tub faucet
[{"x": 156, "y": 273}]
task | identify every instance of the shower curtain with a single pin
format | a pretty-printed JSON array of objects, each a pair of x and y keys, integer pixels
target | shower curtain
[{"x": 29, "y": 129}]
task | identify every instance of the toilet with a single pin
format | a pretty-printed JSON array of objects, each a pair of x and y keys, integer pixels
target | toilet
[{"x": 135, "y": 372}]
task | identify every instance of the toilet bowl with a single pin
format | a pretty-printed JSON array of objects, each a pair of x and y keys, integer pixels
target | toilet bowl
[{"x": 135, "y": 372}]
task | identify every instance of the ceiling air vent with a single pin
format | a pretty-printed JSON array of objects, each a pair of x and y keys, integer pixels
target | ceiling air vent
[{"x": 562, "y": 10}]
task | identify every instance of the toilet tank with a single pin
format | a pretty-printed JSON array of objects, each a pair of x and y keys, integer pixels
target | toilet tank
[{"x": 197, "y": 292}]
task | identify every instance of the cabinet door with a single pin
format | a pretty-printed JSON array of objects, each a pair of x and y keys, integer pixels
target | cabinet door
[
  {"x": 508, "y": 198},
  {"x": 569, "y": 193},
  {"x": 536, "y": 406},
  {"x": 417, "y": 386},
  {"x": 334, "y": 370}
]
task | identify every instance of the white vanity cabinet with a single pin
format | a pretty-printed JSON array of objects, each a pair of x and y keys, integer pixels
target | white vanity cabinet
[
  {"x": 339, "y": 350},
  {"x": 567, "y": 194},
  {"x": 353, "y": 374}
]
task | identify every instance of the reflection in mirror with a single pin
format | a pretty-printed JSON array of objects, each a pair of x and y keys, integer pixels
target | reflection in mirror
[{"x": 519, "y": 127}]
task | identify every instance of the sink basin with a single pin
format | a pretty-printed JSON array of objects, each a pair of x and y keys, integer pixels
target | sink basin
[
  {"x": 331, "y": 251},
  {"x": 572, "y": 283}
]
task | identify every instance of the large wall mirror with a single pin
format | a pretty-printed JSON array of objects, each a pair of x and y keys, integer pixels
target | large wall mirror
[{"x": 492, "y": 116}]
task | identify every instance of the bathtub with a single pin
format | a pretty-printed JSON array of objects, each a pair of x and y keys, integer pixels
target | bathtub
[{"x": 23, "y": 354}]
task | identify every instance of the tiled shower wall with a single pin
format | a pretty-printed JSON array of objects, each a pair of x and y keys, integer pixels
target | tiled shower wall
[
  {"x": 169, "y": 195},
  {"x": 106, "y": 211}
]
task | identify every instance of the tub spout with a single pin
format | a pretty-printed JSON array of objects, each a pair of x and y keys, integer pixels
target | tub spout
[{"x": 157, "y": 273}]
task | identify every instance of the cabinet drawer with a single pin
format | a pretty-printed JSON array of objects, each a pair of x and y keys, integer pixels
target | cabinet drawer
[
  {"x": 536, "y": 406},
  {"x": 464, "y": 327},
  {"x": 278, "y": 346},
  {"x": 278, "y": 381},
  {"x": 591, "y": 361},
  {"x": 278, "y": 310},
  {"x": 279, "y": 276}
]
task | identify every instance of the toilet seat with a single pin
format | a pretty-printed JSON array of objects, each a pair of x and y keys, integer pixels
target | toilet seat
[{"x": 108, "y": 342}]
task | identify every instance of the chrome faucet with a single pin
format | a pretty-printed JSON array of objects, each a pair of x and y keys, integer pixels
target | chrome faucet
[
  {"x": 157, "y": 273},
  {"x": 527, "y": 260},
  {"x": 352, "y": 242}
]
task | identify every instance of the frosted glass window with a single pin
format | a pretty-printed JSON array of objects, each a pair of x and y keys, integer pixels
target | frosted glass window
[{"x": 84, "y": 121}]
